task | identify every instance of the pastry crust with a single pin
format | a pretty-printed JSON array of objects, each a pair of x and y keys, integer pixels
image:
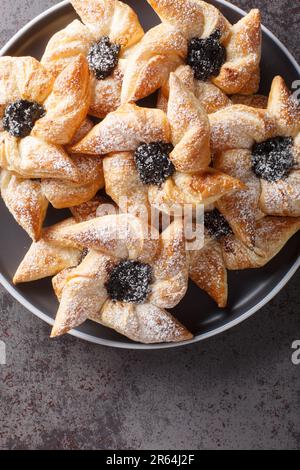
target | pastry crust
[
  {"x": 207, "y": 270},
  {"x": 39, "y": 155},
  {"x": 190, "y": 129},
  {"x": 23, "y": 78},
  {"x": 240, "y": 209},
  {"x": 124, "y": 130},
  {"x": 123, "y": 185},
  {"x": 204, "y": 187},
  {"x": 171, "y": 278},
  {"x": 82, "y": 291},
  {"x": 240, "y": 73},
  {"x": 89, "y": 210},
  {"x": 106, "y": 94},
  {"x": 240, "y": 126},
  {"x": 101, "y": 18},
  {"x": 63, "y": 194},
  {"x": 208, "y": 266},
  {"x": 33, "y": 158},
  {"x": 254, "y": 101},
  {"x": 122, "y": 236},
  {"x": 160, "y": 52},
  {"x": 110, "y": 18},
  {"x": 65, "y": 112},
  {"x": 283, "y": 197},
  {"x": 147, "y": 71},
  {"x": 192, "y": 17},
  {"x": 53, "y": 253},
  {"x": 144, "y": 323},
  {"x": 65, "y": 46},
  {"x": 257, "y": 238},
  {"x": 284, "y": 109},
  {"x": 46, "y": 258},
  {"x": 186, "y": 126},
  {"x": 272, "y": 233},
  {"x": 25, "y": 201},
  {"x": 211, "y": 98}
]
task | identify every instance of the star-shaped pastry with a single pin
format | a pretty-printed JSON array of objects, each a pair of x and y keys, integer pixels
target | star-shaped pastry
[
  {"x": 38, "y": 117},
  {"x": 260, "y": 147},
  {"x": 130, "y": 275},
  {"x": 196, "y": 33},
  {"x": 157, "y": 159},
  {"x": 106, "y": 35}
]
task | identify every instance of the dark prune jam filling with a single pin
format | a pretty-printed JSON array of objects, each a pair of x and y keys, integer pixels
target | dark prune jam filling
[
  {"x": 153, "y": 163},
  {"x": 206, "y": 56},
  {"x": 20, "y": 117},
  {"x": 103, "y": 57},
  {"x": 273, "y": 159},
  {"x": 216, "y": 224},
  {"x": 129, "y": 281}
]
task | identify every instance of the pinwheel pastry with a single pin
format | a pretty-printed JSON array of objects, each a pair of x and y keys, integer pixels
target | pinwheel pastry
[
  {"x": 157, "y": 159},
  {"x": 249, "y": 227},
  {"x": 196, "y": 33},
  {"x": 106, "y": 35},
  {"x": 129, "y": 276},
  {"x": 265, "y": 155},
  {"x": 37, "y": 118}
]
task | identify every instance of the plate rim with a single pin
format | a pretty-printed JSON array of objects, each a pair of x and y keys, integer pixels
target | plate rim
[{"x": 136, "y": 346}]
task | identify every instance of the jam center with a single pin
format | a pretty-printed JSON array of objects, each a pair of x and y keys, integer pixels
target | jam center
[
  {"x": 273, "y": 159},
  {"x": 103, "y": 57},
  {"x": 206, "y": 56},
  {"x": 129, "y": 282},
  {"x": 153, "y": 163},
  {"x": 216, "y": 224},
  {"x": 20, "y": 117}
]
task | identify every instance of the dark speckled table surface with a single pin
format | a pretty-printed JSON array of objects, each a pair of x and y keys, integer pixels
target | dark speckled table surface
[{"x": 239, "y": 390}]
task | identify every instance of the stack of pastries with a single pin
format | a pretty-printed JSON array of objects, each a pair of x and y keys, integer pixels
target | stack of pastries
[{"x": 74, "y": 135}]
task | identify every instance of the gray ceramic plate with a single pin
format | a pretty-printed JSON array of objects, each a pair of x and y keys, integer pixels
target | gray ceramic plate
[{"x": 249, "y": 290}]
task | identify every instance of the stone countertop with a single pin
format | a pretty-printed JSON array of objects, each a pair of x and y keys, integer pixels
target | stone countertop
[{"x": 237, "y": 390}]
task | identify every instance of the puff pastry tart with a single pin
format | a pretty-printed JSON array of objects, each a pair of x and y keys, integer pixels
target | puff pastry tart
[
  {"x": 223, "y": 250},
  {"x": 269, "y": 163},
  {"x": 125, "y": 282},
  {"x": 106, "y": 35},
  {"x": 228, "y": 56},
  {"x": 158, "y": 159},
  {"x": 37, "y": 118}
]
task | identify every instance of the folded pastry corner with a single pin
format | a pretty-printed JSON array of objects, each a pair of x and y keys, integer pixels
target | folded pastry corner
[
  {"x": 105, "y": 35},
  {"x": 25, "y": 201},
  {"x": 46, "y": 258}
]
